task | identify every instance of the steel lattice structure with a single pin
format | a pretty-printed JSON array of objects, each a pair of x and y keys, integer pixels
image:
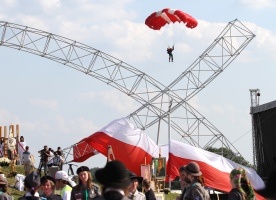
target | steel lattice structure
[{"x": 153, "y": 96}]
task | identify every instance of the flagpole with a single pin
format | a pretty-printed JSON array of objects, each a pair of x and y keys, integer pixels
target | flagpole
[{"x": 169, "y": 130}]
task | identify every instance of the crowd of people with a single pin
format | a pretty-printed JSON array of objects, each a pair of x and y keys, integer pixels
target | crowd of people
[
  {"x": 22, "y": 155},
  {"x": 117, "y": 182},
  {"x": 50, "y": 158}
]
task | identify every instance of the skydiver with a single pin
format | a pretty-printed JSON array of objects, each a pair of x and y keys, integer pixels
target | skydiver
[{"x": 169, "y": 51}]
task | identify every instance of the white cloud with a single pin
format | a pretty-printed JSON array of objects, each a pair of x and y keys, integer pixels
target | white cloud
[
  {"x": 32, "y": 21},
  {"x": 7, "y": 117},
  {"x": 45, "y": 103},
  {"x": 259, "y": 4},
  {"x": 9, "y": 3},
  {"x": 86, "y": 96},
  {"x": 79, "y": 126},
  {"x": 112, "y": 98},
  {"x": 118, "y": 101},
  {"x": 217, "y": 109},
  {"x": 50, "y": 4}
]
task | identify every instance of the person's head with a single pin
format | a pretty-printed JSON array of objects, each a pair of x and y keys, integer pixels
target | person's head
[
  {"x": 85, "y": 177},
  {"x": 184, "y": 181},
  {"x": 59, "y": 148},
  {"x": 21, "y": 139},
  {"x": 160, "y": 163},
  {"x": 3, "y": 184},
  {"x": 61, "y": 178},
  {"x": 193, "y": 171},
  {"x": 27, "y": 148},
  {"x": 135, "y": 180},
  {"x": 32, "y": 182},
  {"x": 45, "y": 147},
  {"x": 48, "y": 185},
  {"x": 146, "y": 184},
  {"x": 239, "y": 180},
  {"x": 114, "y": 175}
]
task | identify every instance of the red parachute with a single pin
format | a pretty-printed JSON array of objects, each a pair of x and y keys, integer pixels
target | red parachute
[{"x": 166, "y": 16}]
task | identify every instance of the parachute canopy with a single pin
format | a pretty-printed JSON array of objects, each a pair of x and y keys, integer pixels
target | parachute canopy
[{"x": 166, "y": 16}]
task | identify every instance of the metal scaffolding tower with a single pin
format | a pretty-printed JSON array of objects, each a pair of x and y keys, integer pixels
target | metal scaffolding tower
[{"x": 254, "y": 96}]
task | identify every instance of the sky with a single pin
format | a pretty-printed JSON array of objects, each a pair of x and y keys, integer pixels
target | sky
[{"x": 55, "y": 105}]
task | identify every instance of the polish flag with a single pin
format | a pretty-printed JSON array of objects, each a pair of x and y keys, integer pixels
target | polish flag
[
  {"x": 130, "y": 145},
  {"x": 215, "y": 168}
]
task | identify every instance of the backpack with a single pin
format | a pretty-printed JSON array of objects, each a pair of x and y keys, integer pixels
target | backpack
[{"x": 204, "y": 192}]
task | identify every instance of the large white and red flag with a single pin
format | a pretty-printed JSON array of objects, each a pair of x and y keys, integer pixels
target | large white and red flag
[
  {"x": 215, "y": 168},
  {"x": 130, "y": 145}
]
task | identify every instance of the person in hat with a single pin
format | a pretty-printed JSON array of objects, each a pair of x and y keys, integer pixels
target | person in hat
[
  {"x": 241, "y": 186},
  {"x": 115, "y": 180},
  {"x": 148, "y": 191},
  {"x": 4, "y": 195},
  {"x": 135, "y": 181},
  {"x": 85, "y": 189},
  {"x": 31, "y": 183},
  {"x": 48, "y": 185},
  {"x": 269, "y": 192},
  {"x": 196, "y": 189},
  {"x": 64, "y": 184}
]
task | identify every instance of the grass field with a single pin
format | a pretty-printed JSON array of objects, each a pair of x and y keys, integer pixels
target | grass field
[{"x": 17, "y": 194}]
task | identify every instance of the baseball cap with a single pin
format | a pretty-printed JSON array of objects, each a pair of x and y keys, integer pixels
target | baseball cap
[{"x": 61, "y": 175}]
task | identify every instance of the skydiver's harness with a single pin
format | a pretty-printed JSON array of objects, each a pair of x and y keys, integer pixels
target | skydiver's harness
[{"x": 169, "y": 51}]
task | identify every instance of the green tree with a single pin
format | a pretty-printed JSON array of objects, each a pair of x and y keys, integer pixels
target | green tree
[{"x": 93, "y": 170}]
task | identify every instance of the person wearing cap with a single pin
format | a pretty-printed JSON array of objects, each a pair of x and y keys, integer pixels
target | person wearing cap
[
  {"x": 241, "y": 186},
  {"x": 62, "y": 182},
  {"x": 196, "y": 189},
  {"x": 4, "y": 195},
  {"x": 48, "y": 184},
  {"x": 135, "y": 181},
  {"x": 115, "y": 180},
  {"x": 31, "y": 183},
  {"x": 85, "y": 189}
]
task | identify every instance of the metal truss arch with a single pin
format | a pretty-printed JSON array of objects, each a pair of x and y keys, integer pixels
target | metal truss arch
[{"x": 138, "y": 85}]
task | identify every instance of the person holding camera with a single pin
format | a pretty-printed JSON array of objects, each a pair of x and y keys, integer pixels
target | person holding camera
[{"x": 44, "y": 154}]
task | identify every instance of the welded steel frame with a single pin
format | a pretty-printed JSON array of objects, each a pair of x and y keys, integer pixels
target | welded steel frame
[{"x": 150, "y": 93}]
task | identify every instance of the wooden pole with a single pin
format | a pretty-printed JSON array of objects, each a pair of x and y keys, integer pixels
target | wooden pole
[
  {"x": 17, "y": 130},
  {"x": 5, "y": 141},
  {"x": 5, "y": 132},
  {"x": 11, "y": 129},
  {"x": 17, "y": 136}
]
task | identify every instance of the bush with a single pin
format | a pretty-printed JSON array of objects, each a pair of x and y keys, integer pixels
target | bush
[{"x": 4, "y": 162}]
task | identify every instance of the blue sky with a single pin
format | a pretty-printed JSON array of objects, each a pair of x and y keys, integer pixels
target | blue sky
[{"x": 58, "y": 106}]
